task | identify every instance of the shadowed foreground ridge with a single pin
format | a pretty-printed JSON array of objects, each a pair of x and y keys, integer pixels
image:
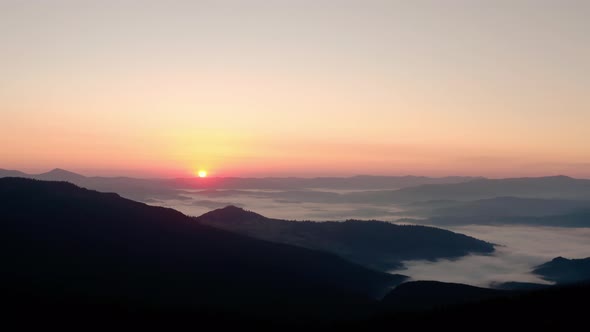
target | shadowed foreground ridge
[
  {"x": 378, "y": 244},
  {"x": 467, "y": 308},
  {"x": 74, "y": 254},
  {"x": 424, "y": 295},
  {"x": 72, "y": 251}
]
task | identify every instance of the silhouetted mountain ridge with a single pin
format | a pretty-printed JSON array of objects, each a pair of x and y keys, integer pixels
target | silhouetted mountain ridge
[
  {"x": 576, "y": 218},
  {"x": 294, "y": 188},
  {"x": 459, "y": 307},
  {"x": 506, "y": 210},
  {"x": 231, "y": 212},
  {"x": 560, "y": 187},
  {"x": 358, "y": 182},
  {"x": 71, "y": 253},
  {"x": 137, "y": 189},
  {"x": 512, "y": 207},
  {"x": 73, "y": 249},
  {"x": 377, "y": 244},
  {"x": 562, "y": 270},
  {"x": 11, "y": 173},
  {"x": 58, "y": 174},
  {"x": 426, "y": 295}
]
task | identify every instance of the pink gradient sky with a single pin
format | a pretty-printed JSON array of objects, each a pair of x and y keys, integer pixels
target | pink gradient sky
[{"x": 305, "y": 88}]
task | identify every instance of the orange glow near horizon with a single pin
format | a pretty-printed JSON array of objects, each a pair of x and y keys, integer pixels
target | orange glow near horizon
[
  {"x": 202, "y": 174},
  {"x": 169, "y": 89}
]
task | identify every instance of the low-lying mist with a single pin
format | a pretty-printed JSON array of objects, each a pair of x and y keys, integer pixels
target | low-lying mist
[
  {"x": 289, "y": 205},
  {"x": 519, "y": 249}
]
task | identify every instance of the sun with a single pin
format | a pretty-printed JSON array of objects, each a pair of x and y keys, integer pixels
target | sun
[{"x": 202, "y": 174}]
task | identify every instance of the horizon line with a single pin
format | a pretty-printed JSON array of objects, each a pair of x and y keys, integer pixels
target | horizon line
[{"x": 292, "y": 176}]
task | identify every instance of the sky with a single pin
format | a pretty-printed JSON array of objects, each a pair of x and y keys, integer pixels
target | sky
[{"x": 296, "y": 88}]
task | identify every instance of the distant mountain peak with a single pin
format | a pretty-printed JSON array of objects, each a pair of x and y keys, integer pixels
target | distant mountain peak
[
  {"x": 377, "y": 244},
  {"x": 562, "y": 270},
  {"x": 559, "y": 259},
  {"x": 557, "y": 178},
  {"x": 232, "y": 212},
  {"x": 232, "y": 208},
  {"x": 60, "y": 174},
  {"x": 61, "y": 171}
]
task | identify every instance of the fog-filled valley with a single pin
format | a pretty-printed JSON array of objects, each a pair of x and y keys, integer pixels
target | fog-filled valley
[
  {"x": 520, "y": 246},
  {"x": 528, "y": 220},
  {"x": 364, "y": 248}
]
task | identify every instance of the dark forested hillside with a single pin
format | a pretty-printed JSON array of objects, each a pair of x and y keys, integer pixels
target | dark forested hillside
[
  {"x": 71, "y": 250},
  {"x": 80, "y": 256},
  {"x": 464, "y": 308},
  {"x": 563, "y": 271},
  {"x": 377, "y": 244}
]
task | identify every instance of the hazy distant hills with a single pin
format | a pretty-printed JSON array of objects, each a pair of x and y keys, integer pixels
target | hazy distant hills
[
  {"x": 512, "y": 207},
  {"x": 543, "y": 201},
  {"x": 77, "y": 251},
  {"x": 138, "y": 189},
  {"x": 560, "y": 187},
  {"x": 376, "y": 244},
  {"x": 359, "y": 182},
  {"x": 59, "y": 174},
  {"x": 411, "y": 189},
  {"x": 12, "y": 173},
  {"x": 564, "y": 271},
  {"x": 56, "y": 174},
  {"x": 506, "y": 210},
  {"x": 166, "y": 188},
  {"x": 292, "y": 188},
  {"x": 579, "y": 218},
  {"x": 429, "y": 196}
]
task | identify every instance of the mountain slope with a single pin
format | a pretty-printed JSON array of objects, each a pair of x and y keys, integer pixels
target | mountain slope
[
  {"x": 425, "y": 295},
  {"x": 11, "y": 173},
  {"x": 145, "y": 189},
  {"x": 563, "y": 270},
  {"x": 76, "y": 249},
  {"x": 59, "y": 174},
  {"x": 359, "y": 182},
  {"x": 133, "y": 188},
  {"x": 376, "y": 244},
  {"x": 512, "y": 207},
  {"x": 562, "y": 187},
  {"x": 507, "y": 210},
  {"x": 579, "y": 218},
  {"x": 576, "y": 218},
  {"x": 555, "y": 308}
]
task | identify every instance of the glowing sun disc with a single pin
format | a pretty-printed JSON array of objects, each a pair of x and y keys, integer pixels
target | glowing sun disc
[{"x": 202, "y": 174}]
